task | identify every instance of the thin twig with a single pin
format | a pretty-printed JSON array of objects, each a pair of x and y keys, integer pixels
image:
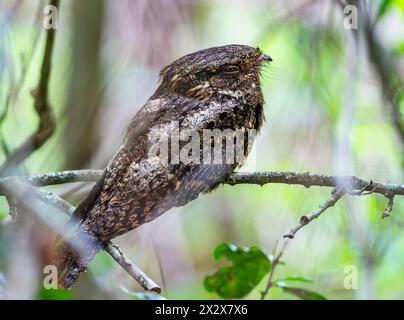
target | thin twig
[
  {"x": 137, "y": 274},
  {"x": 308, "y": 180},
  {"x": 389, "y": 209},
  {"x": 49, "y": 179},
  {"x": 336, "y": 194},
  {"x": 275, "y": 262}
]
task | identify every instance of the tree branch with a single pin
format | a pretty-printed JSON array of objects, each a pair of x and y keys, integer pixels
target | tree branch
[
  {"x": 276, "y": 258},
  {"x": 137, "y": 274},
  {"x": 308, "y": 179},
  {"x": 344, "y": 184},
  {"x": 336, "y": 194}
]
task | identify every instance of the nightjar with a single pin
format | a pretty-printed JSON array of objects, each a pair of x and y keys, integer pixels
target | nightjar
[{"x": 203, "y": 93}]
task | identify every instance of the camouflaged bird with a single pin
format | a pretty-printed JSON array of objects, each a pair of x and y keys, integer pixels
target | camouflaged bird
[{"x": 215, "y": 88}]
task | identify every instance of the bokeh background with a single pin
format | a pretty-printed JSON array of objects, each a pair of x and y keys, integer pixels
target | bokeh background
[{"x": 327, "y": 111}]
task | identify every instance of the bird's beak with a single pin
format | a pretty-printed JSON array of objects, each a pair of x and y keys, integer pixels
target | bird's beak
[{"x": 264, "y": 57}]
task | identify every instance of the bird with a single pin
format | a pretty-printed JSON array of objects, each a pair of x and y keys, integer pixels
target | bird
[{"x": 217, "y": 88}]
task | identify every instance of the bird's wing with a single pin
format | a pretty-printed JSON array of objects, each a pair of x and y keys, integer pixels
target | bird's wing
[
  {"x": 137, "y": 187},
  {"x": 131, "y": 151}
]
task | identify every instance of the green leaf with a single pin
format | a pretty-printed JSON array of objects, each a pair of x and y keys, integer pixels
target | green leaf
[
  {"x": 246, "y": 268},
  {"x": 224, "y": 249},
  {"x": 301, "y": 293},
  {"x": 142, "y": 295},
  {"x": 295, "y": 278}
]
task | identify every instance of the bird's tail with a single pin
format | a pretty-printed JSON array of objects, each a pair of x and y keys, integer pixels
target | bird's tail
[
  {"x": 73, "y": 254},
  {"x": 76, "y": 249}
]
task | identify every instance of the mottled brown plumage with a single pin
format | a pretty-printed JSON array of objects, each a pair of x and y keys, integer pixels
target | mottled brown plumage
[{"x": 215, "y": 88}]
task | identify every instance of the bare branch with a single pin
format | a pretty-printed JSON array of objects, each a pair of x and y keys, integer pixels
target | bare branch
[
  {"x": 389, "y": 209},
  {"x": 307, "y": 179},
  {"x": 336, "y": 194},
  {"x": 116, "y": 253},
  {"x": 48, "y": 179},
  {"x": 275, "y": 261}
]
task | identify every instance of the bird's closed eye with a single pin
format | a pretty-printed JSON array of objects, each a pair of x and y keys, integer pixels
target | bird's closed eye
[{"x": 230, "y": 70}]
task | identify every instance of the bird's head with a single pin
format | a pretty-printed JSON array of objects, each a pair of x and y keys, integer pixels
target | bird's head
[{"x": 231, "y": 70}]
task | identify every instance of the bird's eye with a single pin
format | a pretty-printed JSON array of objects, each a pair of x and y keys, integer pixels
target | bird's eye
[{"x": 231, "y": 70}]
